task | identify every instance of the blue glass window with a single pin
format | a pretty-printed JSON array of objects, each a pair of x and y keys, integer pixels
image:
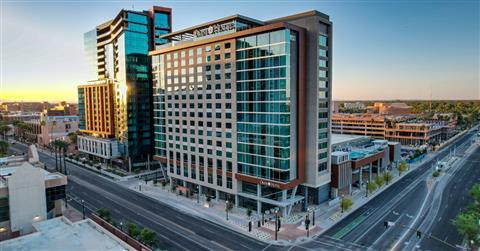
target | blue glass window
[
  {"x": 134, "y": 17},
  {"x": 161, "y": 20}
]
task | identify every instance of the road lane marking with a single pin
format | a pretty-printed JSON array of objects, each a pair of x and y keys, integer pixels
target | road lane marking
[{"x": 352, "y": 225}]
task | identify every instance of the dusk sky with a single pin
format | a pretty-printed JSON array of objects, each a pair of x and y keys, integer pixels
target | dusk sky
[{"x": 381, "y": 49}]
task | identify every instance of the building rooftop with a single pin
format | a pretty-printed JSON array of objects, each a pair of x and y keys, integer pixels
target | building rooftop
[
  {"x": 7, "y": 171},
  {"x": 61, "y": 234},
  {"x": 344, "y": 138}
]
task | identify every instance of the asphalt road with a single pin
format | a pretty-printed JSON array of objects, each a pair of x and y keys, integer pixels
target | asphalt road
[
  {"x": 175, "y": 230},
  {"x": 361, "y": 230},
  {"x": 400, "y": 203},
  {"x": 454, "y": 199}
]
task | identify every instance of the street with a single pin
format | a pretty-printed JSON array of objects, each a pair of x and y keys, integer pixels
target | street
[
  {"x": 361, "y": 230},
  {"x": 175, "y": 230},
  {"x": 400, "y": 203}
]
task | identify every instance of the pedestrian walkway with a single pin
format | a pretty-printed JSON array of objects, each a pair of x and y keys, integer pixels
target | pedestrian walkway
[{"x": 292, "y": 229}]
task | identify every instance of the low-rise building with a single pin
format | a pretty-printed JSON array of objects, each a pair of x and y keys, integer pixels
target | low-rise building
[
  {"x": 28, "y": 194},
  {"x": 407, "y": 130},
  {"x": 46, "y": 128},
  {"x": 61, "y": 234},
  {"x": 394, "y": 109},
  {"x": 359, "y": 159}
]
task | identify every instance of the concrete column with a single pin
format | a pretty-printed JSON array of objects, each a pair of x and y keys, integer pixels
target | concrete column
[
  {"x": 284, "y": 211},
  {"x": 350, "y": 188},
  {"x": 259, "y": 190},
  {"x": 199, "y": 190},
  {"x": 284, "y": 195},
  {"x": 259, "y": 206},
  {"x": 217, "y": 194},
  {"x": 236, "y": 200}
]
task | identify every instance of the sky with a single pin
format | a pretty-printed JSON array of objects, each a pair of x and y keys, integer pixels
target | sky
[{"x": 381, "y": 49}]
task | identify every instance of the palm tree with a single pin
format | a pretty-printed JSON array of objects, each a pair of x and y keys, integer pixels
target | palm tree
[{"x": 54, "y": 123}]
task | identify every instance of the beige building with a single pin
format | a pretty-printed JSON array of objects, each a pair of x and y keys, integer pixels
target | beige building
[
  {"x": 404, "y": 129},
  {"x": 28, "y": 194},
  {"x": 46, "y": 129}
]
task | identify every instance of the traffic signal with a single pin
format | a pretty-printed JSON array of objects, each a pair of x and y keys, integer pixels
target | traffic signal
[
  {"x": 419, "y": 234},
  {"x": 385, "y": 223},
  {"x": 279, "y": 224}
]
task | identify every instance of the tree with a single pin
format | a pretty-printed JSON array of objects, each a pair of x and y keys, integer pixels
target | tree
[
  {"x": 346, "y": 204},
  {"x": 4, "y": 128},
  {"x": 467, "y": 226},
  {"x": 402, "y": 167},
  {"x": 132, "y": 230},
  {"x": 105, "y": 214},
  {"x": 379, "y": 180},
  {"x": 72, "y": 137},
  {"x": 148, "y": 237},
  {"x": 249, "y": 212},
  {"x": 435, "y": 174},
  {"x": 229, "y": 206},
  {"x": 371, "y": 186},
  {"x": 387, "y": 177},
  {"x": 475, "y": 193},
  {"x": 3, "y": 148}
]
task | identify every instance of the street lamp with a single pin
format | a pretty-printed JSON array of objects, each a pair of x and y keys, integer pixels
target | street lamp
[
  {"x": 198, "y": 194},
  {"x": 226, "y": 208},
  {"x": 83, "y": 209},
  {"x": 341, "y": 202},
  {"x": 275, "y": 211},
  {"x": 366, "y": 189},
  {"x": 121, "y": 226}
]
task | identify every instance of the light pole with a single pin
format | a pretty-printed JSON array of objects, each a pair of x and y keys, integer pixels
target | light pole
[
  {"x": 313, "y": 217},
  {"x": 226, "y": 208},
  {"x": 121, "y": 226},
  {"x": 198, "y": 194},
  {"x": 275, "y": 211},
  {"x": 83, "y": 209},
  {"x": 366, "y": 189},
  {"x": 341, "y": 203}
]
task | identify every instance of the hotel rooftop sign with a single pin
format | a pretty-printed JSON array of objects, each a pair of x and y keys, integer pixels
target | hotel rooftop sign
[{"x": 215, "y": 30}]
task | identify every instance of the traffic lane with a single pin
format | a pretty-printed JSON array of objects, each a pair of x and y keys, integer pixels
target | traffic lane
[
  {"x": 198, "y": 225},
  {"x": 409, "y": 210},
  {"x": 386, "y": 195},
  {"x": 454, "y": 200},
  {"x": 216, "y": 232},
  {"x": 328, "y": 243},
  {"x": 167, "y": 236},
  {"x": 402, "y": 213}
]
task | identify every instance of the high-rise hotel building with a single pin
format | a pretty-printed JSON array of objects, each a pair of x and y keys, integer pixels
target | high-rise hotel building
[
  {"x": 241, "y": 109},
  {"x": 116, "y": 109}
]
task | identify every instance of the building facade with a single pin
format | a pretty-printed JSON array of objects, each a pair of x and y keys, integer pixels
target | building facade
[
  {"x": 117, "y": 51},
  {"x": 232, "y": 114},
  {"x": 46, "y": 128},
  {"x": 357, "y": 160},
  {"x": 404, "y": 129},
  {"x": 28, "y": 195}
]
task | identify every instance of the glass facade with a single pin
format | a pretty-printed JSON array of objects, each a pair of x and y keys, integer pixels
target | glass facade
[
  {"x": 138, "y": 86},
  {"x": 81, "y": 109},
  {"x": 264, "y": 114},
  {"x": 162, "y": 26},
  {"x": 323, "y": 106},
  {"x": 90, "y": 47}
]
